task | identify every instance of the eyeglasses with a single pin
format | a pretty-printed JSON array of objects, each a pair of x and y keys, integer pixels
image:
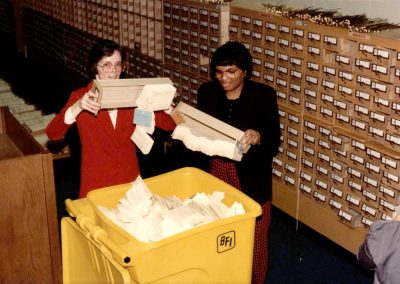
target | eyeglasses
[
  {"x": 229, "y": 73},
  {"x": 108, "y": 67}
]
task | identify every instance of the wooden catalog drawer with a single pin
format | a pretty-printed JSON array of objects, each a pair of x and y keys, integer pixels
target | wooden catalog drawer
[
  {"x": 363, "y": 98},
  {"x": 346, "y": 78},
  {"x": 313, "y": 68},
  {"x": 282, "y": 60},
  {"x": 335, "y": 204},
  {"x": 314, "y": 53},
  {"x": 386, "y": 206},
  {"x": 269, "y": 69},
  {"x": 396, "y": 78},
  {"x": 324, "y": 159},
  {"x": 381, "y": 104},
  {"x": 329, "y": 86},
  {"x": 257, "y": 24},
  {"x": 321, "y": 185},
  {"x": 296, "y": 77},
  {"x": 283, "y": 44},
  {"x": 382, "y": 89},
  {"x": 349, "y": 217},
  {"x": 233, "y": 32},
  {"x": 377, "y": 54},
  {"x": 354, "y": 174},
  {"x": 342, "y": 156},
  {"x": 370, "y": 193},
  {"x": 359, "y": 126},
  {"x": 297, "y": 49},
  {"x": 305, "y": 189},
  {"x": 324, "y": 145},
  {"x": 390, "y": 179},
  {"x": 343, "y": 106},
  {"x": 342, "y": 120},
  {"x": 327, "y": 114},
  {"x": 321, "y": 197},
  {"x": 310, "y": 105},
  {"x": 345, "y": 92},
  {"x": 270, "y": 57},
  {"x": 309, "y": 140},
  {"x": 298, "y": 35},
  {"x": 314, "y": 38},
  {"x": 326, "y": 100},
  {"x": 367, "y": 221},
  {"x": 308, "y": 165},
  {"x": 338, "y": 167},
  {"x": 354, "y": 187},
  {"x": 378, "y": 119},
  {"x": 256, "y": 48},
  {"x": 363, "y": 67},
  {"x": 311, "y": 82},
  {"x": 337, "y": 193},
  {"x": 245, "y": 34},
  {"x": 307, "y": 178},
  {"x": 394, "y": 112},
  {"x": 281, "y": 85},
  {"x": 322, "y": 173},
  {"x": 284, "y": 31},
  {"x": 392, "y": 140},
  {"x": 281, "y": 94},
  {"x": 339, "y": 141},
  {"x": 329, "y": 73},
  {"x": 341, "y": 45},
  {"x": 277, "y": 174},
  {"x": 278, "y": 162},
  {"x": 357, "y": 161},
  {"x": 390, "y": 162},
  {"x": 290, "y": 180},
  {"x": 293, "y": 144},
  {"x": 373, "y": 170},
  {"x": 338, "y": 180},
  {"x": 370, "y": 212},
  {"x": 377, "y": 134},
  {"x": 270, "y": 41},
  {"x": 353, "y": 202},
  {"x": 292, "y": 156},
  {"x": 382, "y": 72},
  {"x": 389, "y": 193},
  {"x": 295, "y": 96}
]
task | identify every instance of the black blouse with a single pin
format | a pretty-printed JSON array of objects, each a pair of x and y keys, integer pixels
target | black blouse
[{"x": 257, "y": 109}]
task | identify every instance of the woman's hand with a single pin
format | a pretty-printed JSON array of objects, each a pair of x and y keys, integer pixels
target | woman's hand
[
  {"x": 251, "y": 137},
  {"x": 88, "y": 103}
]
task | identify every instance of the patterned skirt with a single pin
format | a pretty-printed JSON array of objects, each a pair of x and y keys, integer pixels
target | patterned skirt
[{"x": 226, "y": 171}]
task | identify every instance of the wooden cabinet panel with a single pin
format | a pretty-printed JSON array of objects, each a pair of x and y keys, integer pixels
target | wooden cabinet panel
[{"x": 30, "y": 251}]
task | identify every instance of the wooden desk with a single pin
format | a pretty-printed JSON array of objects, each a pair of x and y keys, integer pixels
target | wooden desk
[{"x": 30, "y": 250}]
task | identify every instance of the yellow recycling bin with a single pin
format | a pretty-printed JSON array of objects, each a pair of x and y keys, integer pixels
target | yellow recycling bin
[
  {"x": 87, "y": 261},
  {"x": 217, "y": 252}
]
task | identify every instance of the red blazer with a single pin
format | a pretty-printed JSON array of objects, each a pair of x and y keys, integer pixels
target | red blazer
[{"x": 108, "y": 154}]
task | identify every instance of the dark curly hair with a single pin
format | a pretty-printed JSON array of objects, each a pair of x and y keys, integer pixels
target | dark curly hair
[
  {"x": 101, "y": 48},
  {"x": 232, "y": 53}
]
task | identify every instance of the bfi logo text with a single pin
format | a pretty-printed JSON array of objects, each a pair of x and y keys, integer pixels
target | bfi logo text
[{"x": 226, "y": 241}]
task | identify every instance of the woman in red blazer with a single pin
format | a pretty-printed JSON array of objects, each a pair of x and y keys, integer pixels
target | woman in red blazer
[{"x": 108, "y": 153}]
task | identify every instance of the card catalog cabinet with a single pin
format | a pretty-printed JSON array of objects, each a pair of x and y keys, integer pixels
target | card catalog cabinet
[{"x": 342, "y": 89}]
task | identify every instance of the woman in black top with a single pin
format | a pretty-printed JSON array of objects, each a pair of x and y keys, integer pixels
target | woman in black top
[{"x": 251, "y": 107}]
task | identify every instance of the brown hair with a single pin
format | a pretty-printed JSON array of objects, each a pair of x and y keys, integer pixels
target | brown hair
[{"x": 101, "y": 48}]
